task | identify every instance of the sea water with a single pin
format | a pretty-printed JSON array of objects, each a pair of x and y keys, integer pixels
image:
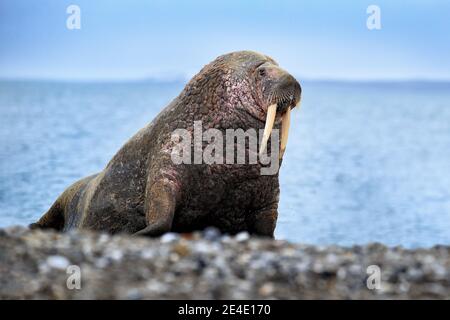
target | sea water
[{"x": 365, "y": 162}]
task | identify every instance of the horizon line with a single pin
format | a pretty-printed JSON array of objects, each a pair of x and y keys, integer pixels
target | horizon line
[{"x": 182, "y": 79}]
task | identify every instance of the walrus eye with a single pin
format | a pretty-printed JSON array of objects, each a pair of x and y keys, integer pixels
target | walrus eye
[{"x": 262, "y": 72}]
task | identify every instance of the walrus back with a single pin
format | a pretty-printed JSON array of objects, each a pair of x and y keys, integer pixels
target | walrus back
[{"x": 83, "y": 204}]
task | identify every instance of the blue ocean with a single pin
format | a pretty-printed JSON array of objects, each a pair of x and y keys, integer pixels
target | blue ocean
[{"x": 365, "y": 162}]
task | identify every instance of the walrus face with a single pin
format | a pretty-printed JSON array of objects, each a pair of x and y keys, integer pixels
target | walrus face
[
  {"x": 277, "y": 87},
  {"x": 245, "y": 82},
  {"x": 279, "y": 92}
]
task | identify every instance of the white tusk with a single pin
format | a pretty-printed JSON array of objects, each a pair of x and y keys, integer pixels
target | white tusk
[
  {"x": 285, "y": 123},
  {"x": 270, "y": 119}
]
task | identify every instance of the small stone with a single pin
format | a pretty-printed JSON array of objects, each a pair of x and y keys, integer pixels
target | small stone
[
  {"x": 58, "y": 262},
  {"x": 242, "y": 236},
  {"x": 169, "y": 237},
  {"x": 156, "y": 286},
  {"x": 181, "y": 249},
  {"x": 211, "y": 234},
  {"x": 225, "y": 239},
  {"x": 147, "y": 254},
  {"x": 404, "y": 287},
  {"x": 134, "y": 294},
  {"x": 103, "y": 238},
  {"x": 102, "y": 262},
  {"x": 115, "y": 255},
  {"x": 266, "y": 289}
]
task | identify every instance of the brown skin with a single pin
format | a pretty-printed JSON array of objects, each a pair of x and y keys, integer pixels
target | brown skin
[{"x": 141, "y": 191}]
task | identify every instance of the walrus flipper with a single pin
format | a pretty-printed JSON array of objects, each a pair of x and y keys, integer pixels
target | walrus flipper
[
  {"x": 52, "y": 219},
  {"x": 264, "y": 220},
  {"x": 160, "y": 208}
]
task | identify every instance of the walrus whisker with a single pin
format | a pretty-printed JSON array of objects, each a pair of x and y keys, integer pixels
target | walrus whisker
[{"x": 270, "y": 119}]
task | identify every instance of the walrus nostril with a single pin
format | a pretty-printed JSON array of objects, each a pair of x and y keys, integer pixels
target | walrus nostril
[{"x": 287, "y": 81}]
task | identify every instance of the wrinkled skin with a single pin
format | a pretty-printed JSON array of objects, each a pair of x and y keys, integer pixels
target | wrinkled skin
[{"x": 141, "y": 191}]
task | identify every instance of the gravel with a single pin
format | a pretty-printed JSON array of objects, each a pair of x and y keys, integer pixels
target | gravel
[{"x": 207, "y": 265}]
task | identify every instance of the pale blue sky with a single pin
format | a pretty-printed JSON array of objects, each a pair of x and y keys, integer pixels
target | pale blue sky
[{"x": 171, "y": 39}]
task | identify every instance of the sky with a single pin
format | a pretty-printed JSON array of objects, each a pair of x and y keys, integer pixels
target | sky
[{"x": 167, "y": 39}]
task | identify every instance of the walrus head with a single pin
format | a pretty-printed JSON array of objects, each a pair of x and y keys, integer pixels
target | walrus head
[
  {"x": 246, "y": 83},
  {"x": 279, "y": 92}
]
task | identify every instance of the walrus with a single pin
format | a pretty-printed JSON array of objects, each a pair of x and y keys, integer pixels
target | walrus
[{"x": 142, "y": 192}]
